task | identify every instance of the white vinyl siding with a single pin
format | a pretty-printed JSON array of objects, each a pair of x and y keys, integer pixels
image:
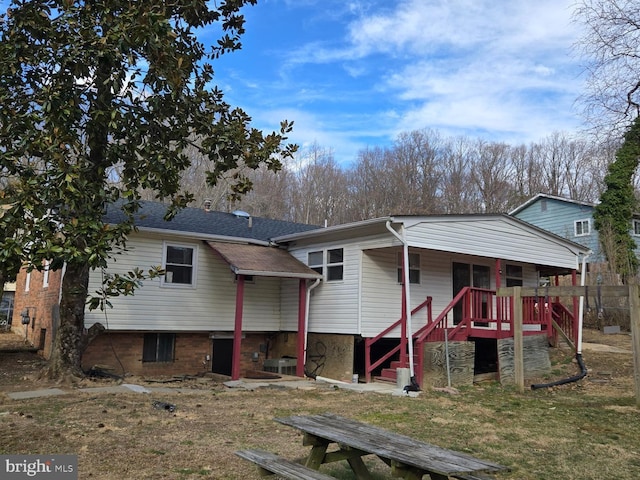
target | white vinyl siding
[
  {"x": 493, "y": 238},
  {"x": 209, "y": 307},
  {"x": 334, "y": 305}
]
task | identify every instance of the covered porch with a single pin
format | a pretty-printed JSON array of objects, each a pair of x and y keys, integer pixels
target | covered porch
[{"x": 247, "y": 261}]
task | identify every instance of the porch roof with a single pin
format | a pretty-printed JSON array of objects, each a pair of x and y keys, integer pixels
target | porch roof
[{"x": 244, "y": 259}]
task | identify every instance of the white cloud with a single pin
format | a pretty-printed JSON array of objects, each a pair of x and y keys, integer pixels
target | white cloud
[{"x": 476, "y": 65}]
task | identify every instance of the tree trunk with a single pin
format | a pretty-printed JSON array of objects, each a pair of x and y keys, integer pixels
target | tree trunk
[
  {"x": 1, "y": 285},
  {"x": 67, "y": 351}
]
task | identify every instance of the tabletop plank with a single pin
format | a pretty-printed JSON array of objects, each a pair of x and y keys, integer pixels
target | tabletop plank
[{"x": 390, "y": 445}]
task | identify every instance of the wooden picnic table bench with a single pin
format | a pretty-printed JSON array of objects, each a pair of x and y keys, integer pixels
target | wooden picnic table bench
[
  {"x": 408, "y": 458},
  {"x": 270, "y": 463}
]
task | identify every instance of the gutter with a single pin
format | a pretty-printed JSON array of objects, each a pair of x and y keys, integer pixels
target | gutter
[{"x": 306, "y": 318}]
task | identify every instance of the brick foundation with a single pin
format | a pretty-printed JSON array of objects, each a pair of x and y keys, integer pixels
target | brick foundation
[{"x": 123, "y": 351}]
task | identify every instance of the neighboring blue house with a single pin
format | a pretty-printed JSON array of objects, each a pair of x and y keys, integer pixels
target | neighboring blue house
[{"x": 571, "y": 219}]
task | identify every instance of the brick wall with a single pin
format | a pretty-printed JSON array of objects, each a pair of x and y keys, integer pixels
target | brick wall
[
  {"x": 42, "y": 304},
  {"x": 118, "y": 351}
]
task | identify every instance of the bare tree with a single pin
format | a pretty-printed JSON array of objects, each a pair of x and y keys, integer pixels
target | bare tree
[
  {"x": 492, "y": 172},
  {"x": 369, "y": 190},
  {"x": 319, "y": 190},
  {"x": 458, "y": 196},
  {"x": 610, "y": 48},
  {"x": 415, "y": 171}
]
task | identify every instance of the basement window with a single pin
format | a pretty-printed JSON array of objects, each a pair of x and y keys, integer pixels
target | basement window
[{"x": 158, "y": 347}]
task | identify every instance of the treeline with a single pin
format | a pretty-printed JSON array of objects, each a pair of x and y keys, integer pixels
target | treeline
[{"x": 422, "y": 173}]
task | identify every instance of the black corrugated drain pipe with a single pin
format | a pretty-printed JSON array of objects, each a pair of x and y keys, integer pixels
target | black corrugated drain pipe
[{"x": 575, "y": 378}]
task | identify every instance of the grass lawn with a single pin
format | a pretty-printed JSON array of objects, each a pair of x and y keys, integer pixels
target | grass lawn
[{"x": 584, "y": 430}]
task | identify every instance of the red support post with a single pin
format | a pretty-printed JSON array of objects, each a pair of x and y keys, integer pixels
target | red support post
[
  {"x": 302, "y": 327},
  {"x": 237, "y": 333},
  {"x": 499, "y": 314}
]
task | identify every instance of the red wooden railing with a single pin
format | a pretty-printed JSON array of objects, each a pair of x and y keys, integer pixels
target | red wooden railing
[
  {"x": 483, "y": 314},
  {"x": 369, "y": 342}
]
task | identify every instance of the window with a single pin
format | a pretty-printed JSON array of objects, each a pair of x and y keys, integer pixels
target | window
[
  {"x": 414, "y": 268},
  {"x": 179, "y": 265},
  {"x": 514, "y": 275},
  {"x": 333, "y": 262},
  {"x": 27, "y": 282},
  {"x": 158, "y": 347},
  {"x": 636, "y": 227},
  {"x": 582, "y": 227},
  {"x": 316, "y": 261},
  {"x": 45, "y": 274}
]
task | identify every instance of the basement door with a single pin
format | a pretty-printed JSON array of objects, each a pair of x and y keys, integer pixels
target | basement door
[
  {"x": 222, "y": 355},
  {"x": 468, "y": 275}
]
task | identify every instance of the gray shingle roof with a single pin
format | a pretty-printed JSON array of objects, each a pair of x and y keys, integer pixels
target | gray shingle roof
[{"x": 196, "y": 220}]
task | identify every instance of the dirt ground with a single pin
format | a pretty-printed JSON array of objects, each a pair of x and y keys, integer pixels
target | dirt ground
[{"x": 586, "y": 430}]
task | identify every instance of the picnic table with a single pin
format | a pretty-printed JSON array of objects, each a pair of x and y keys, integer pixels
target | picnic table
[{"x": 408, "y": 458}]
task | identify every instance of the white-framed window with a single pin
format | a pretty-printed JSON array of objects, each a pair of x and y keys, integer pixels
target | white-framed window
[
  {"x": 582, "y": 227},
  {"x": 27, "y": 282},
  {"x": 45, "y": 274},
  {"x": 335, "y": 264},
  {"x": 330, "y": 261},
  {"x": 414, "y": 267},
  {"x": 514, "y": 276},
  {"x": 179, "y": 262},
  {"x": 636, "y": 227},
  {"x": 158, "y": 347}
]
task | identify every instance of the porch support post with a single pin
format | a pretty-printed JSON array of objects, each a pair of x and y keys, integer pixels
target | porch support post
[
  {"x": 237, "y": 333},
  {"x": 302, "y": 331},
  {"x": 498, "y": 300}
]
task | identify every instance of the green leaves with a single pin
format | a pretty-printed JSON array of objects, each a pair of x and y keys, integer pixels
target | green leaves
[
  {"x": 99, "y": 101},
  {"x": 612, "y": 216}
]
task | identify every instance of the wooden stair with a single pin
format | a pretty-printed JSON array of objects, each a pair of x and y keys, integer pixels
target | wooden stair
[{"x": 390, "y": 375}]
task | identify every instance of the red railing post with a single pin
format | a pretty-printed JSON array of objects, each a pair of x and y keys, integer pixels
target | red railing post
[{"x": 367, "y": 360}]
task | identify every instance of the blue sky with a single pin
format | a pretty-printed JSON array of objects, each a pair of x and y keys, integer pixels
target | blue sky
[{"x": 354, "y": 74}]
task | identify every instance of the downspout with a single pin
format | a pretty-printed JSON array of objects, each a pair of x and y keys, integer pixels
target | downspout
[
  {"x": 306, "y": 318},
  {"x": 583, "y": 369},
  {"x": 407, "y": 299}
]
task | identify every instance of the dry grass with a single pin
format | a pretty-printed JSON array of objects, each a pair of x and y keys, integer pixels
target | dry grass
[{"x": 586, "y": 430}]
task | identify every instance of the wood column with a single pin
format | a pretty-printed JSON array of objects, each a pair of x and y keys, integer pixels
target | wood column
[
  {"x": 237, "y": 332},
  {"x": 634, "y": 312}
]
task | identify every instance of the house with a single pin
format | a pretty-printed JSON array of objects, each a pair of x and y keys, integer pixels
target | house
[
  {"x": 571, "y": 219},
  {"x": 243, "y": 294}
]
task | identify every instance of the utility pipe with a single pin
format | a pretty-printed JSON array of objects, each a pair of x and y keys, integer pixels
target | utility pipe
[
  {"x": 306, "y": 317},
  {"x": 583, "y": 369},
  {"x": 583, "y": 277},
  {"x": 407, "y": 299}
]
